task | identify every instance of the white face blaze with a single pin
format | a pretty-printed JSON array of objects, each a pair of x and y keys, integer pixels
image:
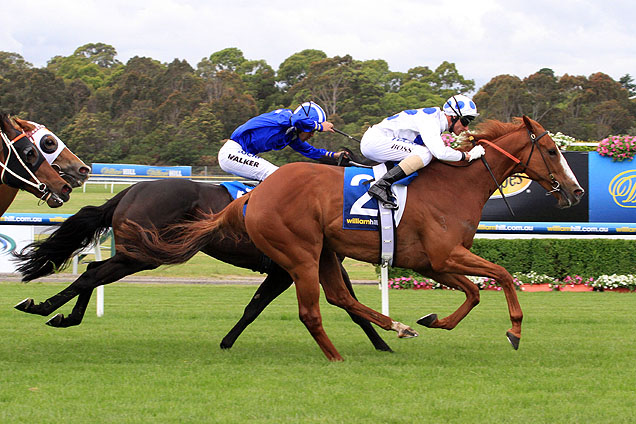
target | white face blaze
[{"x": 567, "y": 169}]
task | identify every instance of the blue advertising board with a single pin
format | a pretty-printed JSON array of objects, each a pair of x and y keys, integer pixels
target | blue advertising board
[
  {"x": 608, "y": 228},
  {"x": 612, "y": 189},
  {"x": 33, "y": 218},
  {"x": 124, "y": 170}
]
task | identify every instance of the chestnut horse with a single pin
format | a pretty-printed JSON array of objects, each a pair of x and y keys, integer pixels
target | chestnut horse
[
  {"x": 438, "y": 225},
  {"x": 23, "y": 166},
  {"x": 153, "y": 204},
  {"x": 65, "y": 162}
]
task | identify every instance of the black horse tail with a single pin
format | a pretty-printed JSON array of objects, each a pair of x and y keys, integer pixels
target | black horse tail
[
  {"x": 79, "y": 231},
  {"x": 177, "y": 243}
]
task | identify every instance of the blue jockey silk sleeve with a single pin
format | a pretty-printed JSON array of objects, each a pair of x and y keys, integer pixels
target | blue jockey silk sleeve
[{"x": 274, "y": 131}]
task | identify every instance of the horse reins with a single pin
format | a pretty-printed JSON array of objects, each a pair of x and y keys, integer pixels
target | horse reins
[
  {"x": 10, "y": 145},
  {"x": 533, "y": 139}
]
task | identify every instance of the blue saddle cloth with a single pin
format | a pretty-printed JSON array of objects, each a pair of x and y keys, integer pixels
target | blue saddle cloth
[
  {"x": 359, "y": 209},
  {"x": 236, "y": 188}
]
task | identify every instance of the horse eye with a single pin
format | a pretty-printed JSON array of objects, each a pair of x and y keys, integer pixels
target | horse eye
[
  {"x": 48, "y": 144},
  {"x": 552, "y": 152},
  {"x": 31, "y": 155}
]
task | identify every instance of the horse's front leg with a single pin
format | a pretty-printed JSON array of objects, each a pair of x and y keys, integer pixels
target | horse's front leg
[
  {"x": 458, "y": 282},
  {"x": 462, "y": 261}
]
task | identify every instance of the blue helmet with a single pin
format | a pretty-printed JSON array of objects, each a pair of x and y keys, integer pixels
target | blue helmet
[{"x": 310, "y": 111}]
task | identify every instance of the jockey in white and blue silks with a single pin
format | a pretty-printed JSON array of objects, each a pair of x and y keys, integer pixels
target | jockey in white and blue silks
[
  {"x": 413, "y": 137},
  {"x": 273, "y": 131}
]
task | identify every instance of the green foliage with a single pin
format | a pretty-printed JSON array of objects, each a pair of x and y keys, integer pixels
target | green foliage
[
  {"x": 555, "y": 257},
  {"x": 586, "y": 108},
  {"x": 93, "y": 64},
  {"x": 141, "y": 111}
]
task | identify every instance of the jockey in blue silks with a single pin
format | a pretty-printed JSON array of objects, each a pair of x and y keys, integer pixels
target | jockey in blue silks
[{"x": 274, "y": 131}]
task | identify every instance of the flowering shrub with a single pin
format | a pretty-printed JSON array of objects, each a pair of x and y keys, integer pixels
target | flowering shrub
[
  {"x": 615, "y": 282},
  {"x": 618, "y": 148},
  {"x": 533, "y": 278},
  {"x": 561, "y": 139},
  {"x": 410, "y": 283},
  {"x": 577, "y": 280},
  {"x": 484, "y": 283}
]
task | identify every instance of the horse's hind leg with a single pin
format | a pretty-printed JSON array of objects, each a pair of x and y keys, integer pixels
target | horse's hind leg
[
  {"x": 277, "y": 282},
  {"x": 76, "y": 316},
  {"x": 337, "y": 294},
  {"x": 454, "y": 281},
  {"x": 366, "y": 326},
  {"x": 102, "y": 273}
]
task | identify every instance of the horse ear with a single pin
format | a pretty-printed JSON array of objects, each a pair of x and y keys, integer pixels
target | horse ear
[
  {"x": 527, "y": 123},
  {"x": 22, "y": 124}
]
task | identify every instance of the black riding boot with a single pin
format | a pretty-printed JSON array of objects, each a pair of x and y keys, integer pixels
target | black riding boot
[{"x": 381, "y": 190}]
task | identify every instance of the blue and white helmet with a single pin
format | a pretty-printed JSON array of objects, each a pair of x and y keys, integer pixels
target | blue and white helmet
[
  {"x": 460, "y": 106},
  {"x": 311, "y": 111}
]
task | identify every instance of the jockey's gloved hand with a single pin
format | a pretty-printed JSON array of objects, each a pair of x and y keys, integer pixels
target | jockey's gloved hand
[
  {"x": 343, "y": 157},
  {"x": 475, "y": 153}
]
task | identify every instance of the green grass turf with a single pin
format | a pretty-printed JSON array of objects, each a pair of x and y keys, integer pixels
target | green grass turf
[{"x": 154, "y": 357}]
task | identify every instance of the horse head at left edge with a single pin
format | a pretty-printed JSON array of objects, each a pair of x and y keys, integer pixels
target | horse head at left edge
[
  {"x": 23, "y": 166},
  {"x": 56, "y": 152}
]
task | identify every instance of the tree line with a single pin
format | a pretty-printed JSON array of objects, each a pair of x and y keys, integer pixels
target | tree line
[{"x": 148, "y": 112}]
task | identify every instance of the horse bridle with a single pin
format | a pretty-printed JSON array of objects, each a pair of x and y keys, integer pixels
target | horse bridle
[
  {"x": 9, "y": 147},
  {"x": 556, "y": 187}
]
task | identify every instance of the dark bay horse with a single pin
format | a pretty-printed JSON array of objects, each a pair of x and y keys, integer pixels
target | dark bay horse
[
  {"x": 439, "y": 223},
  {"x": 66, "y": 163},
  {"x": 23, "y": 166},
  {"x": 151, "y": 204}
]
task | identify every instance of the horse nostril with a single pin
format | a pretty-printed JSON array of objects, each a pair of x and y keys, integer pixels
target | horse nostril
[
  {"x": 66, "y": 189},
  {"x": 579, "y": 193},
  {"x": 84, "y": 170}
]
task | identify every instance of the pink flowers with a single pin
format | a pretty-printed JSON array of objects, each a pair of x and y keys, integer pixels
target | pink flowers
[
  {"x": 448, "y": 139},
  {"x": 618, "y": 148},
  {"x": 400, "y": 283}
]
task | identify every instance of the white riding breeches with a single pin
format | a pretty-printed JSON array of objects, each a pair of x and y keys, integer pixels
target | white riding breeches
[
  {"x": 380, "y": 145},
  {"x": 234, "y": 160}
]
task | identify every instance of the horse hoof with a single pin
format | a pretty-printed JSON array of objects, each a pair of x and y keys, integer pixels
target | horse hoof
[
  {"x": 514, "y": 340},
  {"x": 24, "y": 305},
  {"x": 56, "y": 321},
  {"x": 407, "y": 333},
  {"x": 427, "y": 320}
]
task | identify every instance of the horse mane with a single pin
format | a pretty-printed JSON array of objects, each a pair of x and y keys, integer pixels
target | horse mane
[{"x": 492, "y": 129}]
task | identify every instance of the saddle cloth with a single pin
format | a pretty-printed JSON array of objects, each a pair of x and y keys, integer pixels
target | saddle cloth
[
  {"x": 359, "y": 209},
  {"x": 236, "y": 188}
]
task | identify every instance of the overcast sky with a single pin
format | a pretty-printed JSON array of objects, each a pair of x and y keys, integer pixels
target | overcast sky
[{"x": 483, "y": 38}]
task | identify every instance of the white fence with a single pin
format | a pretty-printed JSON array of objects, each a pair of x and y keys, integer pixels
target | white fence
[{"x": 112, "y": 180}]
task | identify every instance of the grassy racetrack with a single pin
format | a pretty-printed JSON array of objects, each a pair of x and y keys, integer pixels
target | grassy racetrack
[{"x": 154, "y": 357}]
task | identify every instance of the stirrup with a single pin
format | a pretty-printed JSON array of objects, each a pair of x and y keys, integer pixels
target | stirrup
[
  {"x": 388, "y": 204},
  {"x": 385, "y": 202}
]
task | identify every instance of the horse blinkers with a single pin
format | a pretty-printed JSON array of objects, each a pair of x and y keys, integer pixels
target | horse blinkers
[{"x": 26, "y": 163}]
